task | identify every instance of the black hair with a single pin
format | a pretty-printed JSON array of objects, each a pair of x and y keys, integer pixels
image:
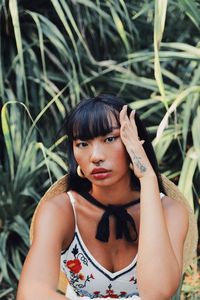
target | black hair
[{"x": 92, "y": 118}]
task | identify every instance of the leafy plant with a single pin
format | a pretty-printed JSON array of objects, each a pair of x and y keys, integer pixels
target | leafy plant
[
  {"x": 53, "y": 53},
  {"x": 27, "y": 161}
]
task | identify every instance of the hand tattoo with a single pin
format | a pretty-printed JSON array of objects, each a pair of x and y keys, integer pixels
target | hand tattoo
[{"x": 136, "y": 160}]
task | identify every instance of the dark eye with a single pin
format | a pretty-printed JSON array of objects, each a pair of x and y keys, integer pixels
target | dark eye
[
  {"x": 81, "y": 144},
  {"x": 110, "y": 139}
]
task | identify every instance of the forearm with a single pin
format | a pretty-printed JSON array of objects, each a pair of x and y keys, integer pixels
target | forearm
[
  {"x": 157, "y": 269},
  {"x": 38, "y": 291}
]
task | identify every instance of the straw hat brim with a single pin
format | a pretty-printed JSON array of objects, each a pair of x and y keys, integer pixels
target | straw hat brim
[
  {"x": 172, "y": 191},
  {"x": 190, "y": 244}
]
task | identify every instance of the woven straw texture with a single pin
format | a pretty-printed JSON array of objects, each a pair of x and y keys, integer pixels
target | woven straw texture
[
  {"x": 190, "y": 245},
  {"x": 172, "y": 191}
]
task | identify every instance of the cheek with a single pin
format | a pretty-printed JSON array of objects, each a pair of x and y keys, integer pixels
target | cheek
[
  {"x": 76, "y": 154},
  {"x": 80, "y": 156},
  {"x": 121, "y": 156}
]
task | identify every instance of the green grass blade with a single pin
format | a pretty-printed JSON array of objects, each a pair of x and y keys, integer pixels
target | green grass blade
[
  {"x": 94, "y": 7},
  {"x": 64, "y": 21},
  {"x": 186, "y": 177},
  {"x": 120, "y": 27},
  {"x": 7, "y": 133},
  {"x": 6, "y": 292},
  {"x": 7, "y": 139},
  {"x": 1, "y": 73},
  {"x": 42, "y": 148},
  {"x": 183, "y": 47},
  {"x": 75, "y": 28},
  {"x": 146, "y": 7},
  {"x": 164, "y": 144},
  {"x": 179, "y": 99},
  {"x": 21, "y": 228},
  {"x": 196, "y": 135},
  {"x": 27, "y": 140},
  {"x": 192, "y": 10},
  {"x": 41, "y": 40},
  {"x": 13, "y": 6},
  {"x": 159, "y": 22},
  {"x": 3, "y": 265}
]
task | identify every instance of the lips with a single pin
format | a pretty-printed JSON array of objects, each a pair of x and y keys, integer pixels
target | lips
[{"x": 99, "y": 171}]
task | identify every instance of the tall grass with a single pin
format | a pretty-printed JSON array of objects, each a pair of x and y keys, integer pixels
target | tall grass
[{"x": 53, "y": 53}]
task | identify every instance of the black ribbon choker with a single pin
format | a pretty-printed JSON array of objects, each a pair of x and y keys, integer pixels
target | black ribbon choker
[{"x": 124, "y": 221}]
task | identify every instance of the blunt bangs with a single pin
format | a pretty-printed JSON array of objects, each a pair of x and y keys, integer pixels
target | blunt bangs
[{"x": 92, "y": 120}]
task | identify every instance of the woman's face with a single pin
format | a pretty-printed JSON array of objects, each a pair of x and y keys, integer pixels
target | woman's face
[{"x": 103, "y": 160}]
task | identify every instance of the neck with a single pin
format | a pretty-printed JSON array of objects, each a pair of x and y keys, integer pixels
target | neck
[{"x": 118, "y": 194}]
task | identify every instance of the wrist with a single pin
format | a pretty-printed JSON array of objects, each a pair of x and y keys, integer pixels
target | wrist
[{"x": 149, "y": 177}]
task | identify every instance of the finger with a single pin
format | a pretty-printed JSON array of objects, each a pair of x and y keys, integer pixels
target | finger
[
  {"x": 132, "y": 115},
  {"x": 123, "y": 114},
  {"x": 132, "y": 120}
]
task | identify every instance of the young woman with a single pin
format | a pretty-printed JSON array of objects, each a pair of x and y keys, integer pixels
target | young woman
[{"x": 115, "y": 231}]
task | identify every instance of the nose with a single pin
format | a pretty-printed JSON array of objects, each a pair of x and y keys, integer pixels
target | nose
[{"x": 97, "y": 154}]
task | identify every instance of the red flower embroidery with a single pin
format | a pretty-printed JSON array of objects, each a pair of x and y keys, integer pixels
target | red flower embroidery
[
  {"x": 81, "y": 276},
  {"x": 123, "y": 293},
  {"x": 74, "y": 265},
  {"x": 133, "y": 279},
  {"x": 96, "y": 293},
  {"x": 91, "y": 276},
  {"x": 110, "y": 293}
]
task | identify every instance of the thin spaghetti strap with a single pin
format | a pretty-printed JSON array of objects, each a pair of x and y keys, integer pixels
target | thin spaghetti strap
[
  {"x": 72, "y": 200},
  {"x": 162, "y": 195}
]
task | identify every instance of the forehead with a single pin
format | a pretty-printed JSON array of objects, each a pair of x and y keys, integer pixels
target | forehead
[
  {"x": 113, "y": 121},
  {"x": 91, "y": 124}
]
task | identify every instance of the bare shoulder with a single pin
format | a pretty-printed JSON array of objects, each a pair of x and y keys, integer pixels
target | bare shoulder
[
  {"x": 55, "y": 215},
  {"x": 61, "y": 203},
  {"x": 52, "y": 230},
  {"x": 58, "y": 205},
  {"x": 176, "y": 214},
  {"x": 171, "y": 205}
]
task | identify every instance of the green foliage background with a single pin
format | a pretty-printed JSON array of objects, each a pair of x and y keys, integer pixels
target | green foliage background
[{"x": 56, "y": 52}]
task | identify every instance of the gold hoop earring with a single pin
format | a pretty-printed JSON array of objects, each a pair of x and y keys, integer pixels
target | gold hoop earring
[
  {"x": 80, "y": 172},
  {"x": 131, "y": 167}
]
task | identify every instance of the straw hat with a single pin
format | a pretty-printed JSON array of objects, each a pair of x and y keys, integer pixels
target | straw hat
[{"x": 172, "y": 191}]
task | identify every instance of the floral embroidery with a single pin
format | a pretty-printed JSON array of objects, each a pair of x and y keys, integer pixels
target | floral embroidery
[
  {"x": 109, "y": 294},
  {"x": 133, "y": 279},
  {"x": 74, "y": 265},
  {"x": 79, "y": 281},
  {"x": 81, "y": 277}
]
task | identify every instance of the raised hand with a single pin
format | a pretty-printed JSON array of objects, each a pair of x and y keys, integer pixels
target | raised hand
[{"x": 129, "y": 134}]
